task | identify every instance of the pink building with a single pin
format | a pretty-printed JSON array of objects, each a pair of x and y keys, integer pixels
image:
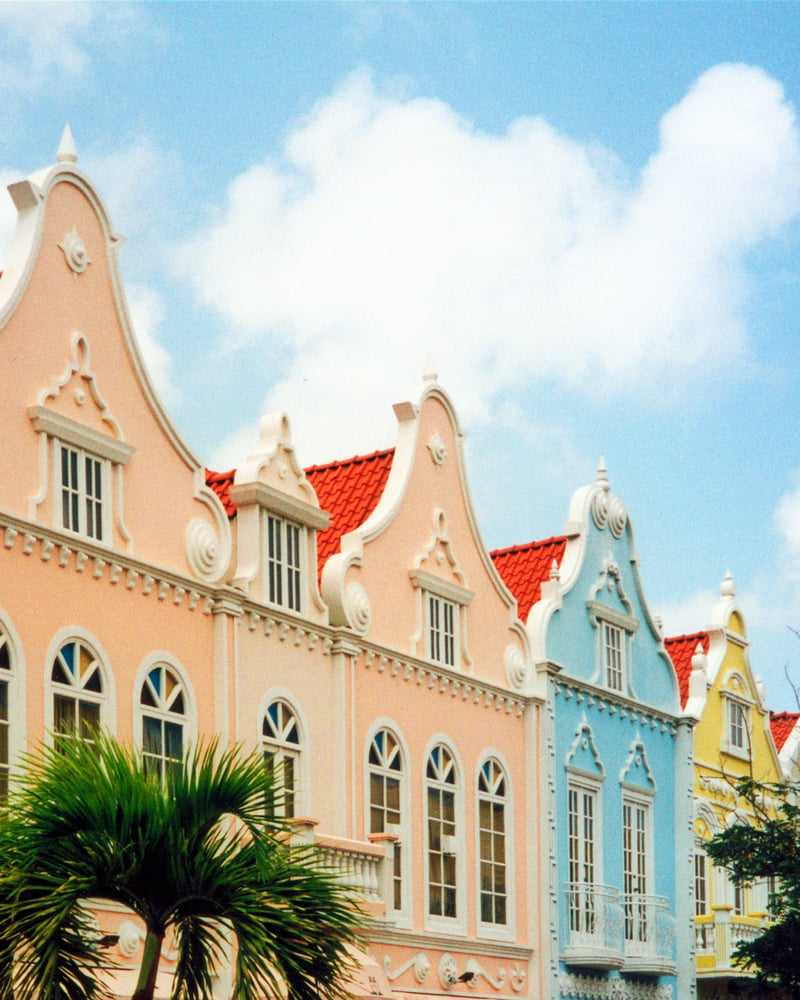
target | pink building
[{"x": 346, "y": 618}]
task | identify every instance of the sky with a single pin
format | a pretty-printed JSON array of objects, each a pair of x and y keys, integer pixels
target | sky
[{"x": 584, "y": 216}]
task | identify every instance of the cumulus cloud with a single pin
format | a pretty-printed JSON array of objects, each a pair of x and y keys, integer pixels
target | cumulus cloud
[{"x": 390, "y": 226}]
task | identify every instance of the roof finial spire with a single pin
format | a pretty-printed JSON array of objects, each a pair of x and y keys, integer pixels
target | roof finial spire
[
  {"x": 430, "y": 374},
  {"x": 602, "y": 474},
  {"x": 66, "y": 150},
  {"x": 728, "y": 587}
]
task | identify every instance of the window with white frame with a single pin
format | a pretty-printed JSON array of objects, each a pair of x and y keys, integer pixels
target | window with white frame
[
  {"x": 636, "y": 860},
  {"x": 280, "y": 744},
  {"x": 701, "y": 900},
  {"x": 162, "y": 700},
  {"x": 441, "y": 791},
  {"x": 739, "y": 900},
  {"x": 82, "y": 465},
  {"x": 78, "y": 692},
  {"x": 386, "y": 777},
  {"x": 583, "y": 827},
  {"x": 613, "y": 656},
  {"x": 738, "y": 728},
  {"x": 492, "y": 807},
  {"x": 5, "y": 685},
  {"x": 442, "y": 635},
  {"x": 83, "y": 494},
  {"x": 284, "y": 562}
]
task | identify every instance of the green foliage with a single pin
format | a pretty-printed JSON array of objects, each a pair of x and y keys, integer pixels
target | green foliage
[
  {"x": 194, "y": 856},
  {"x": 768, "y": 850}
]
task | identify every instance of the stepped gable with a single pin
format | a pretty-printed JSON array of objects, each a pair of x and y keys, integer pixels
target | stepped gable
[
  {"x": 782, "y": 724},
  {"x": 349, "y": 490},
  {"x": 681, "y": 649},
  {"x": 524, "y": 568}
]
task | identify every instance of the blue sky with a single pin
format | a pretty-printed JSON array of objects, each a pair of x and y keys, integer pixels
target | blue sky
[{"x": 587, "y": 215}]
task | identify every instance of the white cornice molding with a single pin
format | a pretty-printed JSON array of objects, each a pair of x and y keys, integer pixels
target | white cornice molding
[{"x": 87, "y": 438}]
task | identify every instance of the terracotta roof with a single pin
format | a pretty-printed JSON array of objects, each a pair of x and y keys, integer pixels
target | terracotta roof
[
  {"x": 349, "y": 491},
  {"x": 681, "y": 649},
  {"x": 524, "y": 568},
  {"x": 220, "y": 483},
  {"x": 782, "y": 724}
]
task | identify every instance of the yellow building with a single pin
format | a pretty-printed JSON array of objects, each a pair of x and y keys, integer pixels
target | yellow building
[{"x": 732, "y": 739}]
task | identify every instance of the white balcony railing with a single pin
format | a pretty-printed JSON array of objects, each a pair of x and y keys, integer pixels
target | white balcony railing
[
  {"x": 594, "y": 923},
  {"x": 649, "y": 933}
]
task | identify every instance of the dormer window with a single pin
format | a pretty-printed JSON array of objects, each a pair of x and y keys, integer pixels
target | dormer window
[
  {"x": 284, "y": 563},
  {"x": 443, "y": 619},
  {"x": 613, "y": 651}
]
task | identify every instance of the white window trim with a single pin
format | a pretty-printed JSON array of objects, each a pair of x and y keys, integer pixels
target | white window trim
[
  {"x": 403, "y": 917},
  {"x": 108, "y": 700},
  {"x": 17, "y": 716},
  {"x": 427, "y": 585},
  {"x": 433, "y": 922},
  {"x": 302, "y": 566},
  {"x": 746, "y": 706},
  {"x": 139, "y": 710},
  {"x": 601, "y": 615},
  {"x": 303, "y": 796},
  {"x": 506, "y": 931},
  {"x": 639, "y": 799}
]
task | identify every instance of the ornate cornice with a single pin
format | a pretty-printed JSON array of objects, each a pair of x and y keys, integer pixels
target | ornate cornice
[{"x": 603, "y": 700}]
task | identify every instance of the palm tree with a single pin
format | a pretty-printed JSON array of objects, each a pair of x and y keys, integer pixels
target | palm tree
[{"x": 191, "y": 855}]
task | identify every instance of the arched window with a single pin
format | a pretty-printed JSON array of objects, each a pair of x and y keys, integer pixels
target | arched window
[
  {"x": 162, "y": 700},
  {"x": 386, "y": 774},
  {"x": 441, "y": 790},
  {"x": 5, "y": 683},
  {"x": 78, "y": 691},
  {"x": 492, "y": 797},
  {"x": 281, "y": 746}
]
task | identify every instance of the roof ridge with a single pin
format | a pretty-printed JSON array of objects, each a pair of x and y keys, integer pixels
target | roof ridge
[
  {"x": 700, "y": 634},
  {"x": 355, "y": 459},
  {"x": 527, "y": 546}
]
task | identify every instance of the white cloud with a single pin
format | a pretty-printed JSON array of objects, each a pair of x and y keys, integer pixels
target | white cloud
[
  {"x": 43, "y": 43},
  {"x": 147, "y": 313},
  {"x": 392, "y": 227}
]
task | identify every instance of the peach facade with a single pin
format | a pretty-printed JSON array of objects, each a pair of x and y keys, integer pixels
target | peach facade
[{"x": 388, "y": 687}]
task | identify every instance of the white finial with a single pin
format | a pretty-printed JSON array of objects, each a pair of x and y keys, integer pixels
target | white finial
[
  {"x": 602, "y": 474},
  {"x": 728, "y": 587},
  {"x": 66, "y": 150},
  {"x": 430, "y": 374},
  {"x": 554, "y": 572},
  {"x": 699, "y": 658}
]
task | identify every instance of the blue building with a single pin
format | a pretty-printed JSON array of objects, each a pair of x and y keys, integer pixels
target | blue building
[{"x": 618, "y": 760}]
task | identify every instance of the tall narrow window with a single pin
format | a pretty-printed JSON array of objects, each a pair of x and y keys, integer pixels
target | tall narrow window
[
  {"x": 739, "y": 900},
  {"x": 737, "y": 725},
  {"x": 613, "y": 653},
  {"x": 385, "y": 789},
  {"x": 441, "y": 631},
  {"x": 81, "y": 493},
  {"x": 5, "y": 683},
  {"x": 635, "y": 837},
  {"x": 163, "y": 703},
  {"x": 492, "y": 840},
  {"x": 281, "y": 747},
  {"x": 77, "y": 692},
  {"x": 283, "y": 562},
  {"x": 581, "y": 846},
  {"x": 442, "y": 845},
  {"x": 700, "y": 883}
]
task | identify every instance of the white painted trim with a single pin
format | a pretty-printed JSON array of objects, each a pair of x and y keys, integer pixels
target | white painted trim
[
  {"x": 303, "y": 800},
  {"x": 190, "y": 715},
  {"x": 69, "y": 431},
  {"x": 405, "y": 917},
  {"x": 507, "y": 931},
  {"x": 108, "y": 700},
  {"x": 17, "y": 715}
]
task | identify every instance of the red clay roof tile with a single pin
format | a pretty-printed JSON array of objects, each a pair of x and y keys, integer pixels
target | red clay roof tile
[
  {"x": 524, "y": 568},
  {"x": 782, "y": 724},
  {"x": 220, "y": 483},
  {"x": 681, "y": 649},
  {"x": 349, "y": 490}
]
